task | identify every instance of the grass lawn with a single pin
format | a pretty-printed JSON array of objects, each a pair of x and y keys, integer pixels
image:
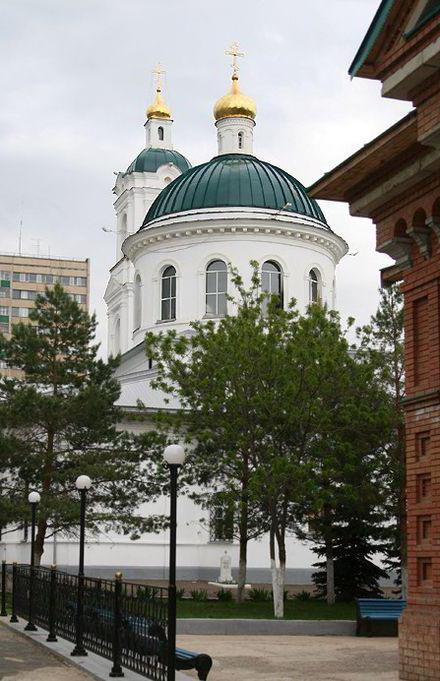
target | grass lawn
[{"x": 293, "y": 610}]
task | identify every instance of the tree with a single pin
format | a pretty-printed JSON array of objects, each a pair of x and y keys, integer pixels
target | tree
[
  {"x": 381, "y": 342},
  {"x": 216, "y": 373},
  {"x": 257, "y": 397},
  {"x": 59, "y": 421}
]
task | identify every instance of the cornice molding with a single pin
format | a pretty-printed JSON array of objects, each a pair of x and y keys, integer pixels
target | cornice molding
[{"x": 193, "y": 224}]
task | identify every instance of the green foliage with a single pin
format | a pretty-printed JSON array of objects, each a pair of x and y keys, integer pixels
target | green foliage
[
  {"x": 199, "y": 594},
  {"x": 148, "y": 593},
  {"x": 180, "y": 594},
  {"x": 225, "y": 595},
  {"x": 382, "y": 342},
  {"x": 59, "y": 421},
  {"x": 286, "y": 421},
  {"x": 303, "y": 596},
  {"x": 258, "y": 595}
]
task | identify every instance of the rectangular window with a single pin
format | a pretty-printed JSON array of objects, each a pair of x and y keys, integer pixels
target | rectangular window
[
  {"x": 6, "y": 276},
  {"x": 221, "y": 523},
  {"x": 22, "y": 294},
  {"x": 4, "y": 310},
  {"x": 423, "y": 487},
  {"x": 5, "y": 292},
  {"x": 424, "y": 571},
  {"x": 422, "y": 444},
  {"x": 20, "y": 312},
  {"x": 4, "y": 327},
  {"x": 424, "y": 523}
]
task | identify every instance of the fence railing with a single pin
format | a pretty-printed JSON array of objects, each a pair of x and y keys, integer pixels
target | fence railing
[{"x": 122, "y": 621}]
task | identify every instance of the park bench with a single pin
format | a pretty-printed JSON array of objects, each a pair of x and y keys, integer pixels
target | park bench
[
  {"x": 146, "y": 637},
  {"x": 185, "y": 659},
  {"x": 378, "y": 616}
]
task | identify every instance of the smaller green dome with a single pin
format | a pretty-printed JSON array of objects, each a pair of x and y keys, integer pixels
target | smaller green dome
[{"x": 149, "y": 160}]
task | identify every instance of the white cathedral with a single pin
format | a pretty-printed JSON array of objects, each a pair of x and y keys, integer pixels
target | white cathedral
[{"x": 179, "y": 229}]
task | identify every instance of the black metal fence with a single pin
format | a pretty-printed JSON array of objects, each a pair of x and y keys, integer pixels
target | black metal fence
[{"x": 122, "y": 621}]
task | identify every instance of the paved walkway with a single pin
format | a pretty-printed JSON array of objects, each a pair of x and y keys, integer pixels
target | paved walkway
[
  {"x": 23, "y": 660},
  {"x": 296, "y": 658}
]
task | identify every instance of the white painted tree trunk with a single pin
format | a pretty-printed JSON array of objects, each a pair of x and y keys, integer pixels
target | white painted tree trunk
[{"x": 278, "y": 581}]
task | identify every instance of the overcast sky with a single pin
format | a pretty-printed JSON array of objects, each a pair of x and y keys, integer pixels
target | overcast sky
[{"x": 76, "y": 80}]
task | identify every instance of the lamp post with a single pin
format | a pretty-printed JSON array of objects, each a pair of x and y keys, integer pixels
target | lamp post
[
  {"x": 174, "y": 455},
  {"x": 34, "y": 498},
  {"x": 83, "y": 483}
]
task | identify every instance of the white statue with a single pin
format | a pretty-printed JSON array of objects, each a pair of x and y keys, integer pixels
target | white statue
[{"x": 225, "y": 569}]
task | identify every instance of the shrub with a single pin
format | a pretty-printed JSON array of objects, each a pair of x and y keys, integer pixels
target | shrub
[
  {"x": 148, "y": 593},
  {"x": 303, "y": 596},
  {"x": 224, "y": 595},
  {"x": 180, "y": 594},
  {"x": 259, "y": 595},
  {"x": 199, "y": 594}
]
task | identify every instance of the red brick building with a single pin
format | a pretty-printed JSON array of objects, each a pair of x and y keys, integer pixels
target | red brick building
[{"x": 395, "y": 181}]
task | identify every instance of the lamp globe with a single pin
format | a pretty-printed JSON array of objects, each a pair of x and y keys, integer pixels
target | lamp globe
[{"x": 174, "y": 455}]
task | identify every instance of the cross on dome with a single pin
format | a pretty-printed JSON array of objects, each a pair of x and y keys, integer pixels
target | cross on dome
[
  {"x": 158, "y": 72},
  {"x": 234, "y": 52},
  {"x": 159, "y": 108}
]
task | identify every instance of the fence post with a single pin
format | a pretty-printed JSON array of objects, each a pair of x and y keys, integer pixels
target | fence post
[
  {"x": 52, "y": 636},
  {"x": 14, "y": 617},
  {"x": 117, "y": 626},
  {"x": 3, "y": 612}
]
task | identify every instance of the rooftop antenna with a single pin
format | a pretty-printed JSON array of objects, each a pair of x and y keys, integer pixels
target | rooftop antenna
[
  {"x": 37, "y": 244},
  {"x": 19, "y": 235}
]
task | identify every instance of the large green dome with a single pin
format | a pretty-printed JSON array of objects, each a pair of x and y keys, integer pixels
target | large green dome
[
  {"x": 234, "y": 180},
  {"x": 149, "y": 160}
]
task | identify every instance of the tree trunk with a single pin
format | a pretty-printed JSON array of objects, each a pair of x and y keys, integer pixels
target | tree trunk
[
  {"x": 330, "y": 571},
  {"x": 39, "y": 540},
  {"x": 243, "y": 524},
  {"x": 278, "y": 574}
]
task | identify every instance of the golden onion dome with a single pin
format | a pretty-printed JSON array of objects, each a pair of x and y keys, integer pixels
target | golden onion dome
[
  {"x": 235, "y": 104},
  {"x": 159, "y": 108}
]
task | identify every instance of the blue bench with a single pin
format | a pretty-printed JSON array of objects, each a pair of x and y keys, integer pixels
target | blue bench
[
  {"x": 378, "y": 616},
  {"x": 185, "y": 659}
]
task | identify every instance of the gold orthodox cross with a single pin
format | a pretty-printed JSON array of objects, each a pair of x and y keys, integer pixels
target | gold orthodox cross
[
  {"x": 234, "y": 52},
  {"x": 158, "y": 72}
]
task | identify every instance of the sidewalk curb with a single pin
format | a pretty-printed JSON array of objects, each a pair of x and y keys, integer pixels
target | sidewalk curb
[{"x": 260, "y": 627}]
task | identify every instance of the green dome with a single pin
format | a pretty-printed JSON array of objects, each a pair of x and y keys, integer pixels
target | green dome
[
  {"x": 149, "y": 160},
  {"x": 233, "y": 180}
]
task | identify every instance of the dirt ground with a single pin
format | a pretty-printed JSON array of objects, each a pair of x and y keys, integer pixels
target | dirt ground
[{"x": 297, "y": 658}]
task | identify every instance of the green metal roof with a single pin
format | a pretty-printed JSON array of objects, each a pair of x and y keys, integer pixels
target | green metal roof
[
  {"x": 149, "y": 160},
  {"x": 234, "y": 180},
  {"x": 371, "y": 36}
]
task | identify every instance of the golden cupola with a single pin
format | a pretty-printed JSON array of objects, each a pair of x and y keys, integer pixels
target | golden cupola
[
  {"x": 235, "y": 104},
  {"x": 159, "y": 108}
]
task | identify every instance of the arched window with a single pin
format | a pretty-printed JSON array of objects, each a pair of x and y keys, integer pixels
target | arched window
[
  {"x": 160, "y": 132},
  {"x": 240, "y": 140},
  {"x": 271, "y": 280},
  {"x": 314, "y": 286},
  {"x": 168, "y": 293},
  {"x": 216, "y": 288},
  {"x": 137, "y": 302}
]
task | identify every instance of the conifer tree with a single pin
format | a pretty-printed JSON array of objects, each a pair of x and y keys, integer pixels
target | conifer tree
[
  {"x": 381, "y": 342},
  {"x": 58, "y": 420}
]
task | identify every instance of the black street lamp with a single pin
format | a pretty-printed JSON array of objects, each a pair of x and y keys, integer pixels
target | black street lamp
[
  {"x": 83, "y": 483},
  {"x": 174, "y": 455},
  {"x": 33, "y": 499}
]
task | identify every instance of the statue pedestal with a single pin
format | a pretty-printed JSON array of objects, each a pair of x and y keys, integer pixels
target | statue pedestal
[{"x": 229, "y": 585}]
